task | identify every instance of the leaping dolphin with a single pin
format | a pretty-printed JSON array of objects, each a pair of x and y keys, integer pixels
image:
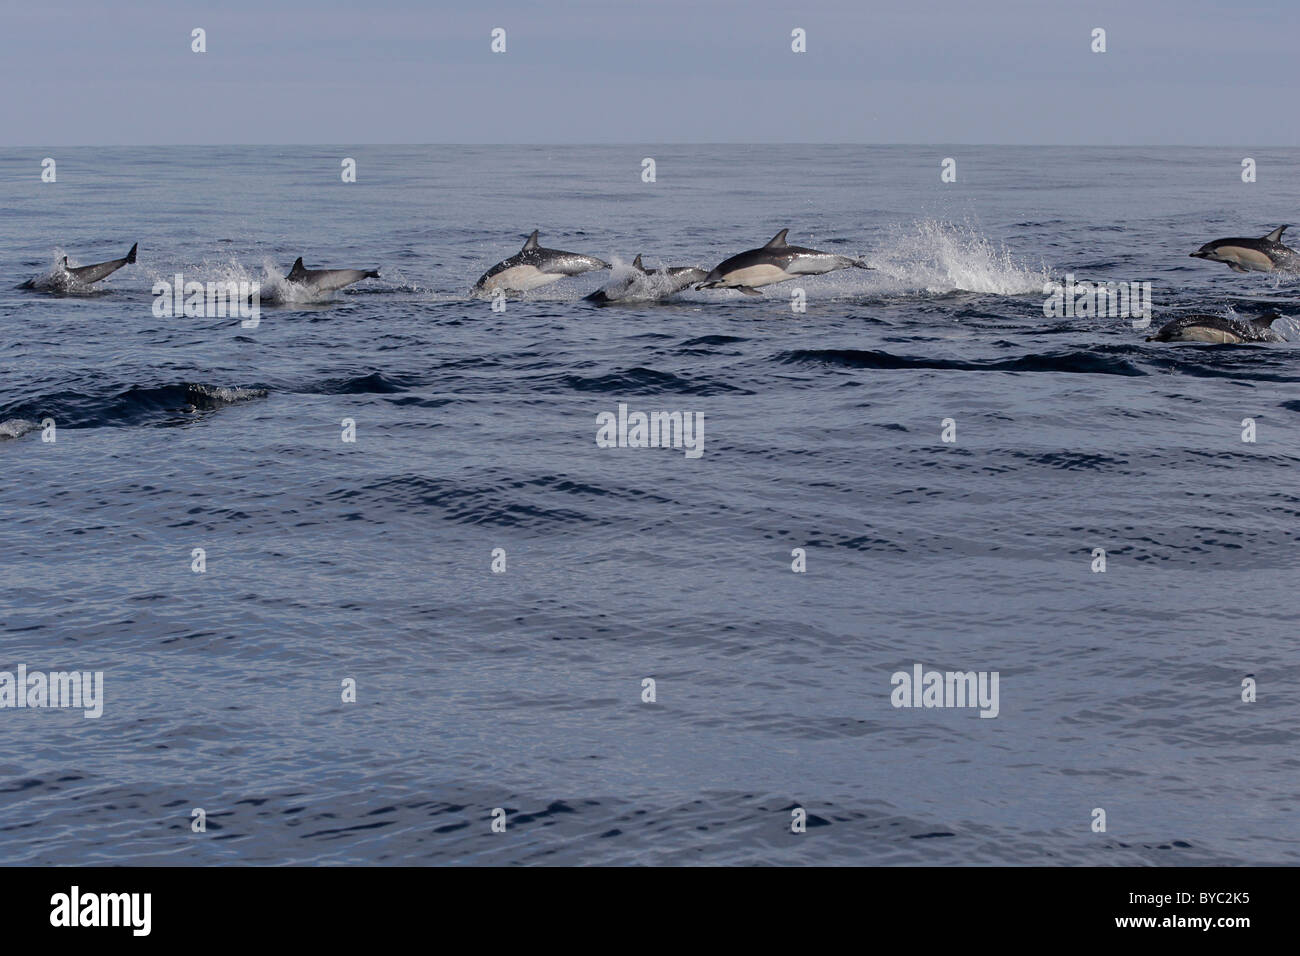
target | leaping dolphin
[
  {"x": 1220, "y": 331},
  {"x": 327, "y": 280},
  {"x": 775, "y": 262},
  {"x": 533, "y": 266},
  {"x": 89, "y": 274},
  {"x": 644, "y": 285},
  {"x": 1266, "y": 254}
]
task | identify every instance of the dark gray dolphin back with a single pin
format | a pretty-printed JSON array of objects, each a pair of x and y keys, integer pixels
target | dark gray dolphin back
[
  {"x": 327, "y": 280},
  {"x": 89, "y": 274},
  {"x": 1258, "y": 329},
  {"x": 1266, "y": 320}
]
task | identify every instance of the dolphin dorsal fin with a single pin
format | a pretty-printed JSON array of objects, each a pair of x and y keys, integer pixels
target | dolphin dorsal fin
[
  {"x": 777, "y": 241},
  {"x": 1276, "y": 234},
  {"x": 298, "y": 268},
  {"x": 636, "y": 263},
  {"x": 1267, "y": 319},
  {"x": 531, "y": 243},
  {"x": 130, "y": 256},
  {"x": 65, "y": 262}
]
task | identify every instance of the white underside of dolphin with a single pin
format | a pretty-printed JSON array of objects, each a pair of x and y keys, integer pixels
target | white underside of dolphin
[
  {"x": 778, "y": 261},
  {"x": 533, "y": 266},
  {"x": 522, "y": 278}
]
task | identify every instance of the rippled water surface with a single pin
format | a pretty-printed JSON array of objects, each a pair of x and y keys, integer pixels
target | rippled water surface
[{"x": 475, "y": 430}]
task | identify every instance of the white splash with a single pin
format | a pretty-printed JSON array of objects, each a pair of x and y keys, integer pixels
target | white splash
[{"x": 938, "y": 257}]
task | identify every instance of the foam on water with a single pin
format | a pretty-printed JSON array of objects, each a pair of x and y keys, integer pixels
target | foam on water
[
  {"x": 16, "y": 428},
  {"x": 58, "y": 280},
  {"x": 937, "y": 257}
]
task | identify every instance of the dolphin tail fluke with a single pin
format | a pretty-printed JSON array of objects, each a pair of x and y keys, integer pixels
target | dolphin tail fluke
[{"x": 130, "y": 256}]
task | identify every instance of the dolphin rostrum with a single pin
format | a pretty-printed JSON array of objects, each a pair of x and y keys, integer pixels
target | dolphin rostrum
[
  {"x": 648, "y": 284},
  {"x": 1266, "y": 254},
  {"x": 1220, "y": 331},
  {"x": 88, "y": 274},
  {"x": 533, "y": 266},
  {"x": 775, "y": 262},
  {"x": 327, "y": 280}
]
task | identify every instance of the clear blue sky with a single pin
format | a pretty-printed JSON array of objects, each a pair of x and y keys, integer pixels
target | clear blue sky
[{"x": 648, "y": 71}]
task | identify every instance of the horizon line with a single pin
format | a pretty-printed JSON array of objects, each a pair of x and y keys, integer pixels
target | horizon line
[{"x": 640, "y": 143}]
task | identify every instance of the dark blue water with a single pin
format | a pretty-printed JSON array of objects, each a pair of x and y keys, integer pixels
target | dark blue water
[{"x": 476, "y": 431}]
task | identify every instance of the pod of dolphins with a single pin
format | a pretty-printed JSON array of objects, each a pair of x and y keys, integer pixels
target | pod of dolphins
[{"x": 776, "y": 261}]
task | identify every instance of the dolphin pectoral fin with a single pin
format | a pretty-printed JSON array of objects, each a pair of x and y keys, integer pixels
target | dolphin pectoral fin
[
  {"x": 747, "y": 290},
  {"x": 1236, "y": 268}
]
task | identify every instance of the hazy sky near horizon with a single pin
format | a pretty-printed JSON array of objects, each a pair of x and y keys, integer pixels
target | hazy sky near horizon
[{"x": 673, "y": 71}]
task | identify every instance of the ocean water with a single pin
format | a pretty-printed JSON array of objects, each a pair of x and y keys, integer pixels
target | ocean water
[{"x": 371, "y": 561}]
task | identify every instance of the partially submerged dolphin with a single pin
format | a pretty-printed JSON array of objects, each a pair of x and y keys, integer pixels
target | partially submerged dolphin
[
  {"x": 1218, "y": 330},
  {"x": 647, "y": 285},
  {"x": 533, "y": 266},
  {"x": 1266, "y": 254},
  {"x": 88, "y": 274},
  {"x": 775, "y": 262},
  {"x": 327, "y": 280}
]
